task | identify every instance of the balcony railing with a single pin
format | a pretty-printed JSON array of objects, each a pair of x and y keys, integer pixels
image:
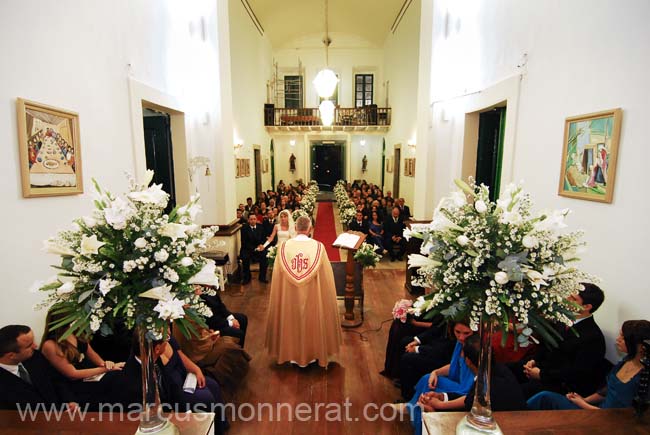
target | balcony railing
[{"x": 310, "y": 117}]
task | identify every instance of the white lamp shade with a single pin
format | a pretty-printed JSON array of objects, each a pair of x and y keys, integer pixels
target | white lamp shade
[
  {"x": 325, "y": 83},
  {"x": 326, "y": 110}
]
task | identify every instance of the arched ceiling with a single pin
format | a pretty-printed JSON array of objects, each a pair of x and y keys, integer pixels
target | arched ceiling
[{"x": 286, "y": 22}]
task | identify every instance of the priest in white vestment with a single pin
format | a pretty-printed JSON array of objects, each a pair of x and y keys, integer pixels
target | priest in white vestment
[{"x": 303, "y": 322}]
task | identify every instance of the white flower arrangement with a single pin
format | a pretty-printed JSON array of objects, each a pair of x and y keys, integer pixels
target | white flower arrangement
[
  {"x": 130, "y": 261},
  {"x": 271, "y": 253},
  {"x": 498, "y": 260},
  {"x": 367, "y": 255},
  {"x": 308, "y": 199},
  {"x": 347, "y": 210}
]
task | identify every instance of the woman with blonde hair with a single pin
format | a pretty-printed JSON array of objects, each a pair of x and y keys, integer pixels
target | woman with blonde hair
[{"x": 285, "y": 229}]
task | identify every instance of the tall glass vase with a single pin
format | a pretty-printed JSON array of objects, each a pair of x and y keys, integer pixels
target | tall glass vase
[
  {"x": 151, "y": 417},
  {"x": 480, "y": 419}
]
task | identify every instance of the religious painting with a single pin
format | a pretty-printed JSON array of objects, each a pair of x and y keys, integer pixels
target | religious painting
[
  {"x": 50, "y": 153},
  {"x": 239, "y": 168},
  {"x": 247, "y": 167},
  {"x": 589, "y": 155},
  {"x": 409, "y": 167},
  {"x": 265, "y": 165},
  {"x": 389, "y": 164}
]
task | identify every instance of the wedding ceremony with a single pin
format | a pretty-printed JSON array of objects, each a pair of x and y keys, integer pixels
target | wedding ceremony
[{"x": 314, "y": 217}]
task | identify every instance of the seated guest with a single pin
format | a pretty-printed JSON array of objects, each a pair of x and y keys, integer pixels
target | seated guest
[
  {"x": 252, "y": 249},
  {"x": 172, "y": 367},
  {"x": 376, "y": 233},
  {"x": 248, "y": 208},
  {"x": 228, "y": 324},
  {"x": 505, "y": 392},
  {"x": 394, "y": 235},
  {"x": 427, "y": 351},
  {"x": 622, "y": 381},
  {"x": 269, "y": 223},
  {"x": 455, "y": 377},
  {"x": 240, "y": 217},
  {"x": 26, "y": 377},
  {"x": 76, "y": 360},
  {"x": 220, "y": 357},
  {"x": 359, "y": 223},
  {"x": 394, "y": 348},
  {"x": 404, "y": 210},
  {"x": 578, "y": 363}
]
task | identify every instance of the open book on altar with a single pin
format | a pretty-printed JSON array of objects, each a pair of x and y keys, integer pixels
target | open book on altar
[{"x": 346, "y": 240}]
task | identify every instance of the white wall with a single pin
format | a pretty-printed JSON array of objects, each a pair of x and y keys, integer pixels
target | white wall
[
  {"x": 583, "y": 56},
  {"x": 76, "y": 56},
  {"x": 401, "y": 56},
  {"x": 250, "y": 69}
]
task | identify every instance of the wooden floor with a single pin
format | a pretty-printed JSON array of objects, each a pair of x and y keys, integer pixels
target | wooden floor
[{"x": 353, "y": 377}]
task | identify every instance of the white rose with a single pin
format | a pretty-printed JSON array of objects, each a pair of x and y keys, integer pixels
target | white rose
[
  {"x": 89, "y": 221},
  {"x": 501, "y": 277},
  {"x": 66, "y": 288},
  {"x": 186, "y": 261},
  {"x": 462, "y": 240},
  {"x": 480, "y": 206},
  {"x": 529, "y": 241},
  {"x": 161, "y": 256},
  {"x": 140, "y": 243}
]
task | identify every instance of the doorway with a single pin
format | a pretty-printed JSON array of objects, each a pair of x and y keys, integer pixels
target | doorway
[
  {"x": 327, "y": 160},
  {"x": 257, "y": 161},
  {"x": 489, "y": 150},
  {"x": 396, "y": 171},
  {"x": 159, "y": 151}
]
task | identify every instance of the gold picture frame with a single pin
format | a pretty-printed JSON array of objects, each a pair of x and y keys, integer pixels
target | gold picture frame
[
  {"x": 589, "y": 155},
  {"x": 265, "y": 165},
  {"x": 409, "y": 167},
  {"x": 389, "y": 165},
  {"x": 49, "y": 149}
]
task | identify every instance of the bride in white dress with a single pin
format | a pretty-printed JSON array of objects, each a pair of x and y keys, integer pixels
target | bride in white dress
[{"x": 285, "y": 229}]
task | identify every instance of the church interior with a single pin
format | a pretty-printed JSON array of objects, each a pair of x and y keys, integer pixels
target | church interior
[{"x": 247, "y": 108}]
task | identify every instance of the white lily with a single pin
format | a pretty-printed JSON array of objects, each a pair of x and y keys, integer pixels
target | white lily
[
  {"x": 118, "y": 213},
  {"x": 553, "y": 222},
  {"x": 193, "y": 211},
  {"x": 161, "y": 293},
  {"x": 417, "y": 260},
  {"x": 206, "y": 276},
  {"x": 535, "y": 278},
  {"x": 89, "y": 221},
  {"x": 53, "y": 247},
  {"x": 152, "y": 195},
  {"x": 170, "y": 310},
  {"x": 66, "y": 288},
  {"x": 148, "y": 176},
  {"x": 90, "y": 245},
  {"x": 174, "y": 230}
]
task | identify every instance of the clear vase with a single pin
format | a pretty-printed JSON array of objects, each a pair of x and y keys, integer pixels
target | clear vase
[
  {"x": 480, "y": 419},
  {"x": 151, "y": 418}
]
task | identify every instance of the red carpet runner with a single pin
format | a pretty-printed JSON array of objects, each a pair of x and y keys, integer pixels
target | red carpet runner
[{"x": 325, "y": 229}]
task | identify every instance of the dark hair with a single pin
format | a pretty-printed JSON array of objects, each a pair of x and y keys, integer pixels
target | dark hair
[
  {"x": 68, "y": 350},
  {"x": 9, "y": 336},
  {"x": 593, "y": 295},
  {"x": 135, "y": 343},
  {"x": 249, "y": 198},
  {"x": 472, "y": 348},
  {"x": 635, "y": 332}
]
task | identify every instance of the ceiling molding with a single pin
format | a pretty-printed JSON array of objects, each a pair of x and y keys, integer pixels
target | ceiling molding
[
  {"x": 400, "y": 15},
  {"x": 253, "y": 17}
]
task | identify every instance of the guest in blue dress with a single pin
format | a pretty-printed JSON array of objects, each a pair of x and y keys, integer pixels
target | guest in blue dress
[
  {"x": 622, "y": 381},
  {"x": 456, "y": 377},
  {"x": 376, "y": 232}
]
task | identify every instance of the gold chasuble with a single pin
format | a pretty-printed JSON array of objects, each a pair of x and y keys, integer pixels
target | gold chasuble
[{"x": 303, "y": 321}]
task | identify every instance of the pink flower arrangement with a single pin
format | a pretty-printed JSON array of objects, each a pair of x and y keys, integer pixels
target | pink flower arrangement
[{"x": 402, "y": 309}]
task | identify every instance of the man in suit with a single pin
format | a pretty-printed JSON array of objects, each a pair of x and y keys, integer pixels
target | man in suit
[
  {"x": 359, "y": 223},
  {"x": 394, "y": 235},
  {"x": 223, "y": 320},
  {"x": 252, "y": 249},
  {"x": 578, "y": 363},
  {"x": 26, "y": 377},
  {"x": 404, "y": 210},
  {"x": 268, "y": 223}
]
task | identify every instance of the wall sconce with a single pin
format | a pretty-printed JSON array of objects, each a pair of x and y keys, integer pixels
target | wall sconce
[
  {"x": 292, "y": 142},
  {"x": 196, "y": 163},
  {"x": 362, "y": 142},
  {"x": 237, "y": 147}
]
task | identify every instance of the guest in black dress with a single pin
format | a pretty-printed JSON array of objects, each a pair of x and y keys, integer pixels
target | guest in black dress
[{"x": 394, "y": 349}]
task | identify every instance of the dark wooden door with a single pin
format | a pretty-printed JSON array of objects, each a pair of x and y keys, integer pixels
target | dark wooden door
[
  {"x": 396, "y": 172},
  {"x": 327, "y": 164},
  {"x": 159, "y": 153},
  {"x": 490, "y": 149},
  {"x": 258, "y": 173}
]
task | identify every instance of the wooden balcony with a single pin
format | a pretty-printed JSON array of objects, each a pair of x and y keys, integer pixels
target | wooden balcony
[{"x": 369, "y": 118}]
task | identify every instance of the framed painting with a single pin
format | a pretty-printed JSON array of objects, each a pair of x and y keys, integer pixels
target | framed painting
[
  {"x": 238, "y": 168},
  {"x": 389, "y": 164},
  {"x": 409, "y": 167},
  {"x": 589, "y": 156},
  {"x": 50, "y": 153}
]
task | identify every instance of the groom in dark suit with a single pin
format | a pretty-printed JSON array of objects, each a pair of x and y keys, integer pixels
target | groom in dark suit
[
  {"x": 26, "y": 377},
  {"x": 252, "y": 249}
]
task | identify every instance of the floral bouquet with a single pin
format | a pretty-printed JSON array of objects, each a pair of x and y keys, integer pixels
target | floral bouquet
[
  {"x": 366, "y": 255},
  {"x": 308, "y": 198},
  {"x": 297, "y": 213},
  {"x": 347, "y": 210},
  {"x": 499, "y": 261},
  {"x": 401, "y": 310},
  {"x": 131, "y": 261},
  {"x": 271, "y": 253}
]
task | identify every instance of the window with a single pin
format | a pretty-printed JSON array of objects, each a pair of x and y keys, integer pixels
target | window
[
  {"x": 363, "y": 94},
  {"x": 293, "y": 92}
]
